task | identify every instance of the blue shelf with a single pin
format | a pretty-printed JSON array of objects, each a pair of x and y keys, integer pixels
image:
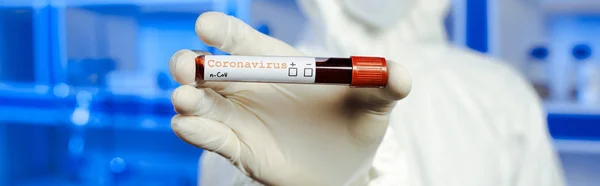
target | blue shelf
[
  {"x": 23, "y": 89},
  {"x": 24, "y": 103},
  {"x": 103, "y": 111},
  {"x": 574, "y": 126}
]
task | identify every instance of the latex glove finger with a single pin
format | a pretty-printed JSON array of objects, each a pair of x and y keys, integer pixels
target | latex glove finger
[
  {"x": 182, "y": 67},
  {"x": 205, "y": 103},
  {"x": 233, "y": 36},
  {"x": 398, "y": 87},
  {"x": 209, "y": 135}
]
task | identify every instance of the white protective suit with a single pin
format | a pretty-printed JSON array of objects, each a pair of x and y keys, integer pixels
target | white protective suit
[{"x": 468, "y": 120}]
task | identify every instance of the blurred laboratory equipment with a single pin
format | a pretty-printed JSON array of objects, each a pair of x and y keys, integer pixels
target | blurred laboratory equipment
[
  {"x": 569, "y": 30},
  {"x": 85, "y": 86},
  {"x": 588, "y": 76},
  {"x": 538, "y": 70}
]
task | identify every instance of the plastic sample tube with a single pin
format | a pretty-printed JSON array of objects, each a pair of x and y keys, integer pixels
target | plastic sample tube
[
  {"x": 353, "y": 71},
  {"x": 587, "y": 76},
  {"x": 538, "y": 70}
]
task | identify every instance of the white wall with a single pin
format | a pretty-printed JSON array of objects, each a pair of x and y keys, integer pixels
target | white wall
[{"x": 514, "y": 27}]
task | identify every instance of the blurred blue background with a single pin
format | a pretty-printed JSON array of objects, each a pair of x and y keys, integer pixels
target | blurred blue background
[{"x": 84, "y": 84}]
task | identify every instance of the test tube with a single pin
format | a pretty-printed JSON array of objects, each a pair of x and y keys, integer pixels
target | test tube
[
  {"x": 587, "y": 76},
  {"x": 538, "y": 70},
  {"x": 355, "y": 71}
]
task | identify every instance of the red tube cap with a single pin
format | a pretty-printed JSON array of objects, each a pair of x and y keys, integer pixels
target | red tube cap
[{"x": 369, "y": 72}]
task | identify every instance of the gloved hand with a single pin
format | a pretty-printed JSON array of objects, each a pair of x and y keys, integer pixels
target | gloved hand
[{"x": 281, "y": 134}]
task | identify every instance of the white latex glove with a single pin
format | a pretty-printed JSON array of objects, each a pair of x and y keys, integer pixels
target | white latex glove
[{"x": 281, "y": 134}]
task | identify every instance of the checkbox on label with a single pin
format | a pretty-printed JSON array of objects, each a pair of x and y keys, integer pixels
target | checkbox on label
[
  {"x": 308, "y": 72},
  {"x": 293, "y": 72}
]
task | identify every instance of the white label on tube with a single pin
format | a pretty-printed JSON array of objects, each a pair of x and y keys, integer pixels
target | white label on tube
[{"x": 259, "y": 69}]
